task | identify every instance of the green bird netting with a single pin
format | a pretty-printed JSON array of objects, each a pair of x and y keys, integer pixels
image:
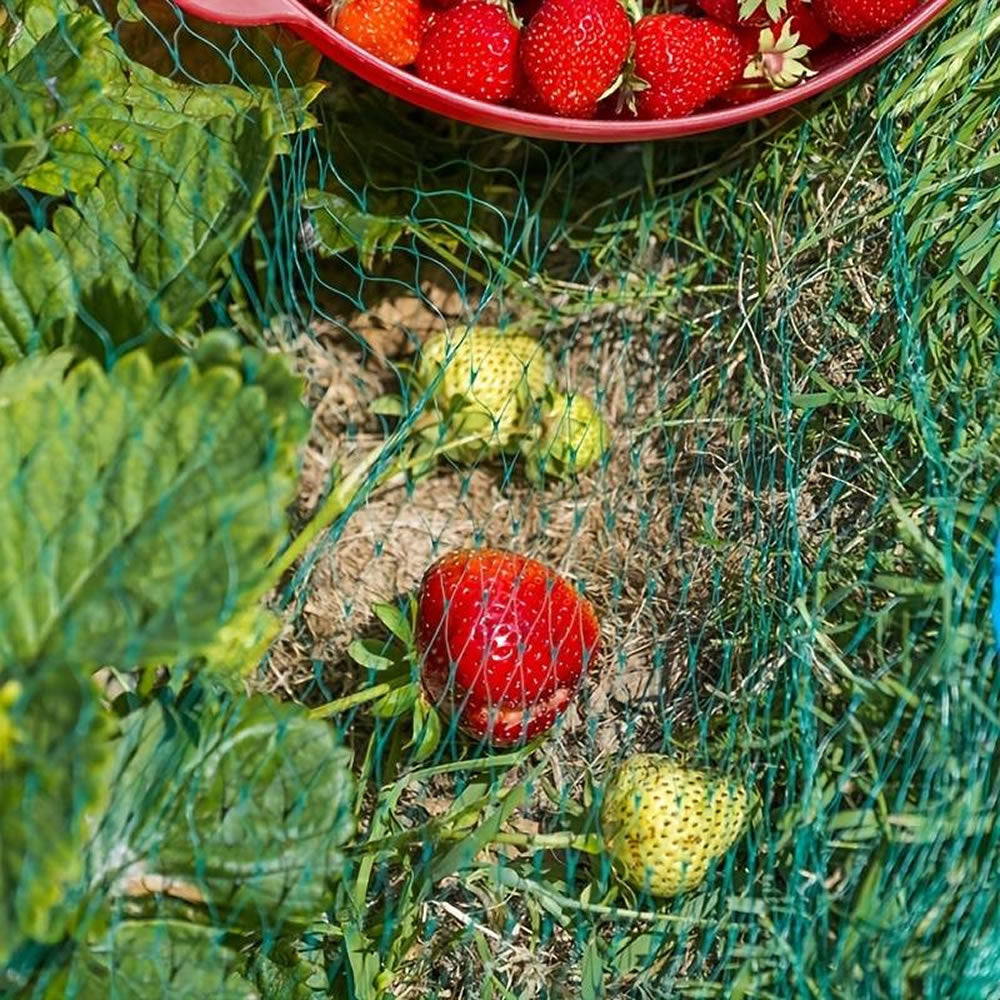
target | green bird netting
[{"x": 758, "y": 426}]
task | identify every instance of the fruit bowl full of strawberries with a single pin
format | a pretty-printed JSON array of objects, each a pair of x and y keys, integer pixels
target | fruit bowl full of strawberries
[{"x": 596, "y": 70}]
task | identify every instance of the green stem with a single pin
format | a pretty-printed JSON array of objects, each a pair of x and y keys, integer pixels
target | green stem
[
  {"x": 511, "y": 880},
  {"x": 564, "y": 840},
  {"x": 335, "y": 504},
  {"x": 349, "y": 701}
]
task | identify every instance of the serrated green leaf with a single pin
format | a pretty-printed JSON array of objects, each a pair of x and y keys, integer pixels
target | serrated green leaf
[
  {"x": 165, "y": 224},
  {"x": 395, "y": 621},
  {"x": 396, "y": 702},
  {"x": 54, "y": 770},
  {"x": 286, "y": 974},
  {"x": 174, "y": 44},
  {"x": 239, "y": 646},
  {"x": 38, "y": 300},
  {"x": 165, "y": 488},
  {"x": 148, "y": 960},
  {"x": 244, "y": 803},
  {"x": 368, "y": 653},
  {"x": 342, "y": 225},
  {"x": 77, "y": 104},
  {"x": 29, "y": 21}
]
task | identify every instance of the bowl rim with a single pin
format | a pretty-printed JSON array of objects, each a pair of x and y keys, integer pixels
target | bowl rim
[{"x": 312, "y": 28}]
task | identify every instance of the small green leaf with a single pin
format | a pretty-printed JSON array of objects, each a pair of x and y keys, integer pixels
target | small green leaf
[
  {"x": 368, "y": 654},
  {"x": 55, "y": 763},
  {"x": 592, "y": 971},
  {"x": 364, "y": 963},
  {"x": 397, "y": 701},
  {"x": 465, "y": 851},
  {"x": 387, "y": 406},
  {"x": 395, "y": 621},
  {"x": 342, "y": 225},
  {"x": 426, "y": 732}
]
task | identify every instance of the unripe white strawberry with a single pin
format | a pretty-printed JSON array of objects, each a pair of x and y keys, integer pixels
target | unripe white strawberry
[
  {"x": 665, "y": 824},
  {"x": 490, "y": 385}
]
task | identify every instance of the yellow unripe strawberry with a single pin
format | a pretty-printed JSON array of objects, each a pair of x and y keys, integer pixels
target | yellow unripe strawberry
[
  {"x": 665, "y": 824},
  {"x": 491, "y": 384},
  {"x": 572, "y": 437}
]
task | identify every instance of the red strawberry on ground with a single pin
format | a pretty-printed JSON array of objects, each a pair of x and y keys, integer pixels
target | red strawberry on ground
[
  {"x": 472, "y": 49},
  {"x": 504, "y": 643},
  {"x": 860, "y": 18},
  {"x": 389, "y": 29},
  {"x": 572, "y": 52},
  {"x": 685, "y": 62}
]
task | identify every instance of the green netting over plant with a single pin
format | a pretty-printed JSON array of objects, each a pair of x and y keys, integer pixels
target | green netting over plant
[{"x": 741, "y": 391}]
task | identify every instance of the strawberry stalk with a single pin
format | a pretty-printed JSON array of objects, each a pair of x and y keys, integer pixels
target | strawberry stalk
[{"x": 350, "y": 701}]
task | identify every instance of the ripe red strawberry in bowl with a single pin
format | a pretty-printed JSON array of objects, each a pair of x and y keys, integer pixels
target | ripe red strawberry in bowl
[
  {"x": 504, "y": 643},
  {"x": 730, "y": 12},
  {"x": 801, "y": 19},
  {"x": 684, "y": 62},
  {"x": 572, "y": 52},
  {"x": 472, "y": 49},
  {"x": 389, "y": 29},
  {"x": 861, "y": 18},
  {"x": 777, "y": 56}
]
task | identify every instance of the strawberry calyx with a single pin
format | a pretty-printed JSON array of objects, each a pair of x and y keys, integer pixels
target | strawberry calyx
[
  {"x": 779, "y": 60},
  {"x": 628, "y": 85},
  {"x": 775, "y": 9},
  {"x": 634, "y": 9}
]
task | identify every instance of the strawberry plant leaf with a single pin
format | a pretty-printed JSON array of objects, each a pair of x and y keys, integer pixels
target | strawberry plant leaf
[
  {"x": 169, "y": 228},
  {"x": 395, "y": 621},
  {"x": 288, "y": 974},
  {"x": 368, "y": 653},
  {"x": 41, "y": 96},
  {"x": 157, "y": 35},
  {"x": 396, "y": 702},
  {"x": 55, "y": 762},
  {"x": 592, "y": 971},
  {"x": 63, "y": 125},
  {"x": 165, "y": 488},
  {"x": 387, "y": 406},
  {"x": 37, "y": 298},
  {"x": 244, "y": 802},
  {"x": 426, "y": 734},
  {"x": 341, "y": 226},
  {"x": 240, "y": 645},
  {"x": 155, "y": 958},
  {"x": 27, "y": 22}
]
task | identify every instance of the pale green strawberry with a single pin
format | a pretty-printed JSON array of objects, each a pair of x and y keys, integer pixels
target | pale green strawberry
[
  {"x": 491, "y": 387},
  {"x": 665, "y": 824},
  {"x": 573, "y": 436}
]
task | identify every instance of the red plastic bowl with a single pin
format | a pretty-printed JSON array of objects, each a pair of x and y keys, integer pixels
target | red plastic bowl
[{"x": 834, "y": 69}]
